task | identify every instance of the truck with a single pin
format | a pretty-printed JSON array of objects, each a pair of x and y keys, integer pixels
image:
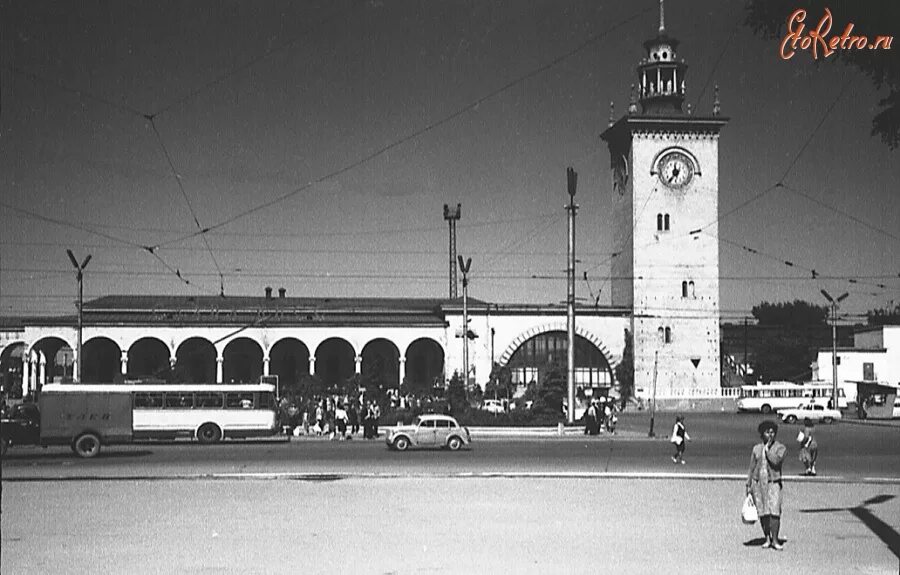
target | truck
[{"x": 66, "y": 415}]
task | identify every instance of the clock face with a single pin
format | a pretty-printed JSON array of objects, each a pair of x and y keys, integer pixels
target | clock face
[{"x": 675, "y": 170}]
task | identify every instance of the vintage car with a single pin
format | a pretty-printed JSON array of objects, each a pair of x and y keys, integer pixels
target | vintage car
[
  {"x": 493, "y": 406},
  {"x": 21, "y": 427},
  {"x": 812, "y": 411},
  {"x": 431, "y": 430}
]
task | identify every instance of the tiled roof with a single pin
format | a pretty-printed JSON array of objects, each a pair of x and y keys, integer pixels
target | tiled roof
[{"x": 152, "y": 302}]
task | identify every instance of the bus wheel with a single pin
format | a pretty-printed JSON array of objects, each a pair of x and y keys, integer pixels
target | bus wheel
[
  {"x": 4, "y": 445},
  {"x": 209, "y": 433},
  {"x": 791, "y": 419},
  {"x": 86, "y": 445},
  {"x": 766, "y": 408}
]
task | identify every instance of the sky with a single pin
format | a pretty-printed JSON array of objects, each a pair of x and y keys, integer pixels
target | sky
[{"x": 317, "y": 142}]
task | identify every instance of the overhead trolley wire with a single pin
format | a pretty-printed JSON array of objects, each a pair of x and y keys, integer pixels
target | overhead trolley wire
[{"x": 415, "y": 134}]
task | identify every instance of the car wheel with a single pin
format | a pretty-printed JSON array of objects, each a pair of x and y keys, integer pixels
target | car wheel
[
  {"x": 209, "y": 433},
  {"x": 790, "y": 418},
  {"x": 86, "y": 445},
  {"x": 766, "y": 408},
  {"x": 454, "y": 443},
  {"x": 827, "y": 420},
  {"x": 401, "y": 444}
]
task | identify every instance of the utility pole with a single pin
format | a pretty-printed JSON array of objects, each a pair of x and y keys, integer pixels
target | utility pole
[
  {"x": 464, "y": 267},
  {"x": 79, "y": 274},
  {"x": 452, "y": 215},
  {"x": 653, "y": 397},
  {"x": 834, "y": 369},
  {"x": 572, "y": 208}
]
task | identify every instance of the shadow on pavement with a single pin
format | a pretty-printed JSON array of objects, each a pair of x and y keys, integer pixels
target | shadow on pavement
[
  {"x": 885, "y": 532},
  {"x": 755, "y": 542},
  {"x": 10, "y": 457}
]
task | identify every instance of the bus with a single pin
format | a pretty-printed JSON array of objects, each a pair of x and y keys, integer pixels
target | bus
[
  {"x": 205, "y": 412},
  {"x": 766, "y": 398}
]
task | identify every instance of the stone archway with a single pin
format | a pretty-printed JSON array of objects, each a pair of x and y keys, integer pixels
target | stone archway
[
  {"x": 102, "y": 361},
  {"x": 424, "y": 366},
  {"x": 335, "y": 361},
  {"x": 58, "y": 358},
  {"x": 195, "y": 361},
  {"x": 242, "y": 361},
  {"x": 149, "y": 357},
  {"x": 11, "y": 369},
  {"x": 289, "y": 360},
  {"x": 381, "y": 364},
  {"x": 559, "y": 326}
]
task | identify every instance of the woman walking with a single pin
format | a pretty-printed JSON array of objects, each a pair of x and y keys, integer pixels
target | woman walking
[
  {"x": 764, "y": 482},
  {"x": 809, "y": 449},
  {"x": 679, "y": 438}
]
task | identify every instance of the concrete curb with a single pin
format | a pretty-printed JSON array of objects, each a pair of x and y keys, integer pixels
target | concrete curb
[{"x": 337, "y": 476}]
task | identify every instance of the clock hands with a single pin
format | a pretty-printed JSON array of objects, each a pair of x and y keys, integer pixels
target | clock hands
[{"x": 674, "y": 175}]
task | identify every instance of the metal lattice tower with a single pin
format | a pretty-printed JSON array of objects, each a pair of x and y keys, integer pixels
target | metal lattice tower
[{"x": 452, "y": 215}]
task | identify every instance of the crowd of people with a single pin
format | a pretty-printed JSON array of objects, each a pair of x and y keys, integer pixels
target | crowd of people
[
  {"x": 335, "y": 417},
  {"x": 600, "y": 416}
]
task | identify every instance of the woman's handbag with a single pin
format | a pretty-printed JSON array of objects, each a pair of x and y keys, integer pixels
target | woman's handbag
[{"x": 749, "y": 515}]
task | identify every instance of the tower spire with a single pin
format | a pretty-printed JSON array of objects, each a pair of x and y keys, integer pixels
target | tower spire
[
  {"x": 662, "y": 17},
  {"x": 661, "y": 86}
]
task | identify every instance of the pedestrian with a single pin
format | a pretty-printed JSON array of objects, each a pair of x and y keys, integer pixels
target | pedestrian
[
  {"x": 764, "y": 482},
  {"x": 376, "y": 415},
  {"x": 367, "y": 422},
  {"x": 607, "y": 416},
  {"x": 590, "y": 419},
  {"x": 679, "y": 438},
  {"x": 320, "y": 418},
  {"x": 809, "y": 449},
  {"x": 353, "y": 418},
  {"x": 340, "y": 421}
]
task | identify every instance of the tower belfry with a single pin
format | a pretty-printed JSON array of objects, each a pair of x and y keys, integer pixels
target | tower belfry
[
  {"x": 664, "y": 167},
  {"x": 661, "y": 85}
]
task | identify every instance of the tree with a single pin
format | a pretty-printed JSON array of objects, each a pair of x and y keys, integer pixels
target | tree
[
  {"x": 499, "y": 383},
  {"x": 625, "y": 370},
  {"x": 456, "y": 395},
  {"x": 795, "y": 329},
  {"x": 551, "y": 390},
  {"x": 884, "y": 316},
  {"x": 768, "y": 18},
  {"x": 791, "y": 314}
]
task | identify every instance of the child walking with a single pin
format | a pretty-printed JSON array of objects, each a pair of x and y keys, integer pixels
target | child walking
[
  {"x": 679, "y": 438},
  {"x": 809, "y": 449}
]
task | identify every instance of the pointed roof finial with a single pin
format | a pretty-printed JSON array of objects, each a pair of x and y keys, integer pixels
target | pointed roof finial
[
  {"x": 612, "y": 113},
  {"x": 717, "y": 107},
  {"x": 662, "y": 17},
  {"x": 632, "y": 105}
]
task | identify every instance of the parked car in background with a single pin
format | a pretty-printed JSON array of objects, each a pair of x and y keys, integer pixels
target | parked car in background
[
  {"x": 493, "y": 406},
  {"x": 812, "y": 411},
  {"x": 429, "y": 431}
]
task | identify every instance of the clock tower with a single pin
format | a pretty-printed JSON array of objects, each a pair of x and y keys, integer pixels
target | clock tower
[{"x": 665, "y": 198}]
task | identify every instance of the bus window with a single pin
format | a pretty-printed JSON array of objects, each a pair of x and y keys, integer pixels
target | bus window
[
  {"x": 179, "y": 400},
  {"x": 144, "y": 400},
  {"x": 208, "y": 399},
  {"x": 266, "y": 400},
  {"x": 239, "y": 400}
]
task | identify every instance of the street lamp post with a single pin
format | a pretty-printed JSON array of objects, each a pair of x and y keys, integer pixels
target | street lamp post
[
  {"x": 464, "y": 266},
  {"x": 834, "y": 370},
  {"x": 79, "y": 274}
]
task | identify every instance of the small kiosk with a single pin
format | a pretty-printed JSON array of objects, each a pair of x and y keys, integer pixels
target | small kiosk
[{"x": 876, "y": 400}]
